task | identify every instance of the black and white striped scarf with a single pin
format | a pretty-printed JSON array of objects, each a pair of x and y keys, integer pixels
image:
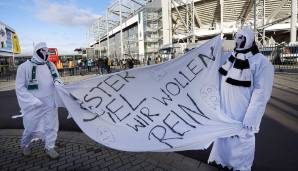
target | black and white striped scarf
[{"x": 237, "y": 68}]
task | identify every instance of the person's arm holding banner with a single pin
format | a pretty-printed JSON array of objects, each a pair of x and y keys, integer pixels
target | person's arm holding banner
[{"x": 263, "y": 81}]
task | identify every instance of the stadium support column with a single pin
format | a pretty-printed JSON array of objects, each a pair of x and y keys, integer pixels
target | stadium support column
[
  {"x": 121, "y": 31},
  {"x": 99, "y": 48},
  {"x": 264, "y": 22},
  {"x": 166, "y": 22},
  {"x": 255, "y": 19},
  {"x": 187, "y": 24},
  {"x": 141, "y": 36},
  {"x": 221, "y": 17},
  {"x": 193, "y": 21},
  {"x": 107, "y": 23},
  {"x": 293, "y": 21},
  {"x": 99, "y": 45}
]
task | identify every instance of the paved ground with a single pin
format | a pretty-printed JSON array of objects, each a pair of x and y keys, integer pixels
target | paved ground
[
  {"x": 276, "y": 144},
  {"x": 78, "y": 152}
]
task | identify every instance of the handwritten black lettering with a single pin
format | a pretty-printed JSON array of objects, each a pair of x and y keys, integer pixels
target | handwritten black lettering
[
  {"x": 183, "y": 119},
  {"x": 98, "y": 87},
  {"x": 175, "y": 90},
  {"x": 109, "y": 106},
  {"x": 110, "y": 109},
  {"x": 163, "y": 101},
  {"x": 179, "y": 82},
  {"x": 83, "y": 107},
  {"x": 159, "y": 133},
  {"x": 187, "y": 110},
  {"x": 110, "y": 115},
  {"x": 143, "y": 120},
  {"x": 98, "y": 100},
  {"x": 130, "y": 105},
  {"x": 96, "y": 116},
  {"x": 188, "y": 79},
  {"x": 126, "y": 76},
  {"x": 112, "y": 82},
  {"x": 192, "y": 68},
  {"x": 172, "y": 126},
  {"x": 91, "y": 119},
  {"x": 202, "y": 56},
  {"x": 146, "y": 112},
  {"x": 136, "y": 126}
]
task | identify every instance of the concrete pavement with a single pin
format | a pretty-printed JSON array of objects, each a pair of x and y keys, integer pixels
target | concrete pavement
[{"x": 79, "y": 152}]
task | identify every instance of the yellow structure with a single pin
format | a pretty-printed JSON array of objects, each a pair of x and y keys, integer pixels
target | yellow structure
[{"x": 16, "y": 44}]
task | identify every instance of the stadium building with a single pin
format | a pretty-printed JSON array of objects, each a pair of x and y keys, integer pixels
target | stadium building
[{"x": 165, "y": 28}]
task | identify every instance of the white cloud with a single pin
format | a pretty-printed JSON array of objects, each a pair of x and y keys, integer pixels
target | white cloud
[
  {"x": 62, "y": 41},
  {"x": 64, "y": 14},
  {"x": 63, "y": 48}
]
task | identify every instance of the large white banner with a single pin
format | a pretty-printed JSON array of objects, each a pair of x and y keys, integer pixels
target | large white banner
[{"x": 167, "y": 107}]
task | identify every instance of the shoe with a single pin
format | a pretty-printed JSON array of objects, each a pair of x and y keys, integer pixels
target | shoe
[
  {"x": 52, "y": 153},
  {"x": 26, "y": 151}
]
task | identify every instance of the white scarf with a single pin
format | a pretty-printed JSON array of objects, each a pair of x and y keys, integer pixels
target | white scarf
[{"x": 33, "y": 83}]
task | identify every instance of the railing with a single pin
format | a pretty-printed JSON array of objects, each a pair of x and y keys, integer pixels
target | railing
[
  {"x": 7, "y": 73},
  {"x": 283, "y": 57},
  {"x": 10, "y": 74}
]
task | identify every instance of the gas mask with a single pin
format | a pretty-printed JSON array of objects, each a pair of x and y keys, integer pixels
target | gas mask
[
  {"x": 240, "y": 41},
  {"x": 40, "y": 53},
  {"x": 43, "y": 53},
  {"x": 244, "y": 39}
]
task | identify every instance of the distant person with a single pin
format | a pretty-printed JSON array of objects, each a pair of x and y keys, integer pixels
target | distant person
[
  {"x": 186, "y": 50},
  {"x": 79, "y": 66},
  {"x": 35, "y": 92},
  {"x": 124, "y": 63},
  {"x": 83, "y": 66},
  {"x": 110, "y": 64},
  {"x": 71, "y": 67},
  {"x": 101, "y": 64},
  {"x": 97, "y": 65},
  {"x": 89, "y": 64},
  {"x": 129, "y": 63},
  {"x": 245, "y": 88},
  {"x": 150, "y": 61},
  {"x": 106, "y": 64}
]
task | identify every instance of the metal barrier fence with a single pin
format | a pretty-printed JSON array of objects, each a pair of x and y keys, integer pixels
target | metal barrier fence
[
  {"x": 10, "y": 73},
  {"x": 284, "y": 58},
  {"x": 7, "y": 73}
]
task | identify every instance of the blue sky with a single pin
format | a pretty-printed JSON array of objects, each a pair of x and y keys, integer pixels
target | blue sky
[{"x": 60, "y": 23}]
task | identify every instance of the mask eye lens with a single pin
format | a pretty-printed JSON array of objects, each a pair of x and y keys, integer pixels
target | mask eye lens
[{"x": 44, "y": 50}]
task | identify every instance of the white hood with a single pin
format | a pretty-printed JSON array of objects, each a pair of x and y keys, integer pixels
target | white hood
[
  {"x": 37, "y": 47},
  {"x": 249, "y": 35}
]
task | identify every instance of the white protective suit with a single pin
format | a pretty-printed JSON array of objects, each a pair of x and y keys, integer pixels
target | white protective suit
[
  {"x": 40, "y": 114},
  {"x": 245, "y": 90}
]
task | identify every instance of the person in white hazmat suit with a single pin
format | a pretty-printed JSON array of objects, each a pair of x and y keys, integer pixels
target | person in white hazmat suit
[
  {"x": 245, "y": 88},
  {"x": 35, "y": 89}
]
